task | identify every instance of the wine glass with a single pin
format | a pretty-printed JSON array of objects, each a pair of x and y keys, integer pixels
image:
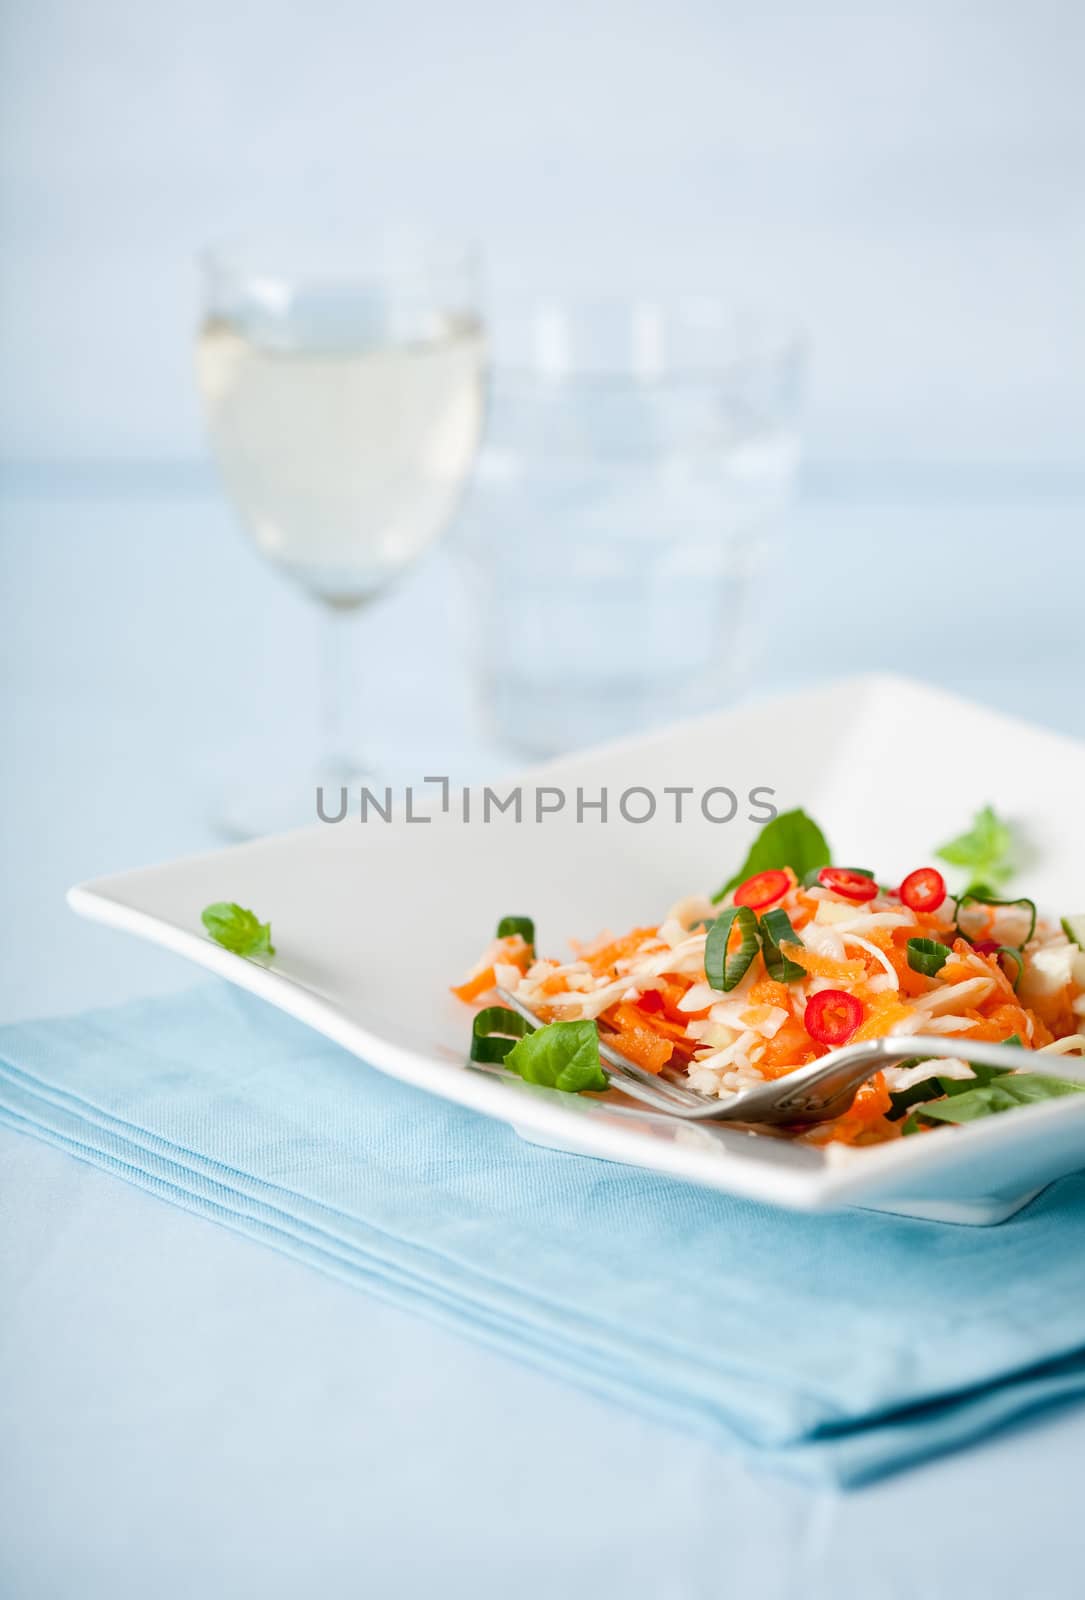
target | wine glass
[{"x": 344, "y": 388}]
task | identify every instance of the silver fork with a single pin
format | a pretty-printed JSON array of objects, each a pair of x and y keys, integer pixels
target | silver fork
[{"x": 816, "y": 1093}]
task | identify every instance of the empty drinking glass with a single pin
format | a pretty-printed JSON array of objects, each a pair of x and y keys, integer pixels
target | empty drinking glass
[{"x": 637, "y": 458}]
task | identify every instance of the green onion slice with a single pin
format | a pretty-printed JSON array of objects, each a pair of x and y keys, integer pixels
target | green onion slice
[
  {"x": 726, "y": 972},
  {"x": 1028, "y": 914},
  {"x": 496, "y": 1031},
  {"x": 927, "y": 956},
  {"x": 776, "y": 930},
  {"x": 1011, "y": 950},
  {"x": 521, "y": 925}
]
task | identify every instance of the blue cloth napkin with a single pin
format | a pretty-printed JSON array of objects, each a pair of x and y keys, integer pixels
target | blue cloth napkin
[{"x": 833, "y": 1347}]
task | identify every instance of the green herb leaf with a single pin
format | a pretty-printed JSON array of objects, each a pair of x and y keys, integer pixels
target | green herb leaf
[
  {"x": 980, "y": 1074},
  {"x": 722, "y": 971},
  {"x": 927, "y": 956},
  {"x": 902, "y": 1100},
  {"x": 496, "y": 1031},
  {"x": 776, "y": 930},
  {"x": 932, "y": 1088},
  {"x": 521, "y": 925},
  {"x": 1008, "y": 1091},
  {"x": 790, "y": 840},
  {"x": 560, "y": 1055},
  {"x": 238, "y": 930},
  {"x": 986, "y": 850}
]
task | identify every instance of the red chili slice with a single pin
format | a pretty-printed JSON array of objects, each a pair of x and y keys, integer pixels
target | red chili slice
[
  {"x": 651, "y": 1001},
  {"x": 852, "y": 885},
  {"x": 985, "y": 947},
  {"x": 924, "y": 889},
  {"x": 762, "y": 889},
  {"x": 832, "y": 1016}
]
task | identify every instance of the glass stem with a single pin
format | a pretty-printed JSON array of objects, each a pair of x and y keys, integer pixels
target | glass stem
[{"x": 339, "y": 759}]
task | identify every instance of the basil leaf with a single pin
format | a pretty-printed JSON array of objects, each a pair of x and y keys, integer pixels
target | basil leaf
[
  {"x": 981, "y": 1075},
  {"x": 776, "y": 930},
  {"x": 790, "y": 840},
  {"x": 901, "y": 1100},
  {"x": 986, "y": 849},
  {"x": 238, "y": 930},
  {"x": 932, "y": 1088},
  {"x": 560, "y": 1055},
  {"x": 1006, "y": 1093}
]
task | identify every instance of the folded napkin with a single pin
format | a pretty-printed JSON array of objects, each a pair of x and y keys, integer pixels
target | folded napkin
[{"x": 834, "y": 1347}]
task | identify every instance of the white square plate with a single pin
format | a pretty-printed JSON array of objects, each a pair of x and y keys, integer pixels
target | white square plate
[{"x": 372, "y": 921}]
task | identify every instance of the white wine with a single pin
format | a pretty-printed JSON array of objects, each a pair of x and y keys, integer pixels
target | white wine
[{"x": 345, "y": 463}]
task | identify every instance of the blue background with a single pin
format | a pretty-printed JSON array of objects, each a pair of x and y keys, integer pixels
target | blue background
[{"x": 903, "y": 178}]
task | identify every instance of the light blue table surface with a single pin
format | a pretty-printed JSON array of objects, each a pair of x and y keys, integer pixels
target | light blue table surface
[{"x": 183, "y": 1413}]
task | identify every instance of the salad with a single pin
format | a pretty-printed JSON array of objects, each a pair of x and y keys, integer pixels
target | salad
[{"x": 796, "y": 956}]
